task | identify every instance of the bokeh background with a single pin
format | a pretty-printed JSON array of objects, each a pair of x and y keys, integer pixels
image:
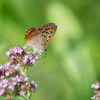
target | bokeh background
[{"x": 72, "y": 64}]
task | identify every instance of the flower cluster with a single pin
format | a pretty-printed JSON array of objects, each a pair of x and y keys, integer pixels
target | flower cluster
[
  {"x": 17, "y": 55},
  {"x": 96, "y": 87},
  {"x": 13, "y": 79}
]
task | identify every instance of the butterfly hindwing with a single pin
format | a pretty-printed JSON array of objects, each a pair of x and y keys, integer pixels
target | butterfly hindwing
[
  {"x": 48, "y": 35},
  {"x": 48, "y": 32},
  {"x": 36, "y": 42}
]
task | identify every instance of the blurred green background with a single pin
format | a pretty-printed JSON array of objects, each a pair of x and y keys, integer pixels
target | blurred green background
[{"x": 73, "y": 56}]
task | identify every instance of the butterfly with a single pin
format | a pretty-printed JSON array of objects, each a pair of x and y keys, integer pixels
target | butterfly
[{"x": 38, "y": 38}]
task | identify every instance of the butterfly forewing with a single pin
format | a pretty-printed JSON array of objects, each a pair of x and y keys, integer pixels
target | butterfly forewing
[{"x": 30, "y": 32}]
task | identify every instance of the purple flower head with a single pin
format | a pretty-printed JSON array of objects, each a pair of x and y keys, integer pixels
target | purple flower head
[
  {"x": 95, "y": 86},
  {"x": 1, "y": 67},
  {"x": 32, "y": 82},
  {"x": 32, "y": 89},
  {"x": 24, "y": 47},
  {"x": 25, "y": 78},
  {"x": 21, "y": 93},
  {"x": 13, "y": 78},
  {"x": 11, "y": 87},
  {"x": 15, "y": 50},
  {"x": 26, "y": 83},
  {"x": 4, "y": 85},
  {"x": 8, "y": 53},
  {"x": 28, "y": 52},
  {"x": 35, "y": 85},
  {"x": 14, "y": 83},
  {"x": 17, "y": 79},
  {"x": 32, "y": 61},
  {"x": 2, "y": 91},
  {"x": 93, "y": 97},
  {"x": 12, "y": 57},
  {"x": 98, "y": 95},
  {"x": 2, "y": 77},
  {"x": 5, "y": 81},
  {"x": 17, "y": 66},
  {"x": 25, "y": 60},
  {"x": 36, "y": 58},
  {"x": 12, "y": 66},
  {"x": 20, "y": 51},
  {"x": 8, "y": 64},
  {"x": 30, "y": 58},
  {"x": 7, "y": 74},
  {"x": 1, "y": 85}
]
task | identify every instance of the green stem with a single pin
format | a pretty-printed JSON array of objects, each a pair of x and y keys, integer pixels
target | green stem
[
  {"x": 23, "y": 70},
  {"x": 24, "y": 98},
  {"x": 27, "y": 98},
  {"x": 21, "y": 98}
]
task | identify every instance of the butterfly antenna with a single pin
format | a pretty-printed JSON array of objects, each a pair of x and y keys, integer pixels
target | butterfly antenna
[{"x": 45, "y": 56}]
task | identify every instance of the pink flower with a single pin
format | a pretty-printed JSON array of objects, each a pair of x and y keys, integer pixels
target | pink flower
[
  {"x": 11, "y": 87},
  {"x": 93, "y": 97},
  {"x": 95, "y": 86},
  {"x": 8, "y": 53},
  {"x": 24, "y": 47},
  {"x": 21, "y": 93}
]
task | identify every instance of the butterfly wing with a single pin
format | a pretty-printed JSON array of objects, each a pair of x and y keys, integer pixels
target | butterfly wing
[
  {"x": 34, "y": 39},
  {"x": 30, "y": 32},
  {"x": 36, "y": 42},
  {"x": 48, "y": 31},
  {"x": 49, "y": 34}
]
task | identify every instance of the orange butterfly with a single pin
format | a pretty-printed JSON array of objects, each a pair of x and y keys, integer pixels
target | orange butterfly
[{"x": 39, "y": 38}]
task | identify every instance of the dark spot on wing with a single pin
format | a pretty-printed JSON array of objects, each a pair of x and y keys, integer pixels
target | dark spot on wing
[
  {"x": 46, "y": 32},
  {"x": 49, "y": 36},
  {"x": 51, "y": 32},
  {"x": 45, "y": 43},
  {"x": 27, "y": 37}
]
